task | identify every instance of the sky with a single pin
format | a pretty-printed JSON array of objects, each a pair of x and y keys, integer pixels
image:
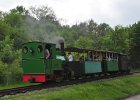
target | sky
[{"x": 112, "y": 12}]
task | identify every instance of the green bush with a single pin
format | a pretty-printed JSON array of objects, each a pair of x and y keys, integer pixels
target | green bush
[
  {"x": 16, "y": 71},
  {"x": 3, "y": 72},
  {"x": 10, "y": 62}
]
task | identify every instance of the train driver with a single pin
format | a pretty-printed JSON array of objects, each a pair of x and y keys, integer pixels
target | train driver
[{"x": 47, "y": 53}]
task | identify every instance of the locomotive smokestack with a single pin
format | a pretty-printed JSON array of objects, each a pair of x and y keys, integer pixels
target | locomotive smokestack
[
  {"x": 62, "y": 48},
  {"x": 60, "y": 42}
]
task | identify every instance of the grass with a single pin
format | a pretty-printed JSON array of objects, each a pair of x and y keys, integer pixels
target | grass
[
  {"x": 99, "y": 90},
  {"x": 15, "y": 85}
]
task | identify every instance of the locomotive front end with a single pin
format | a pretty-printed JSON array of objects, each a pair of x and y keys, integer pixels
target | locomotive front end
[{"x": 33, "y": 62}]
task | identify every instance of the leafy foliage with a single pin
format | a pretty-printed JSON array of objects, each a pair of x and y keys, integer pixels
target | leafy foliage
[
  {"x": 3, "y": 72},
  {"x": 7, "y": 54},
  {"x": 4, "y": 30},
  {"x": 135, "y": 46},
  {"x": 83, "y": 41}
]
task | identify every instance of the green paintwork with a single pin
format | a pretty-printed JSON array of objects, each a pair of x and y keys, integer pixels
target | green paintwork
[
  {"x": 112, "y": 65},
  {"x": 35, "y": 53},
  {"x": 33, "y": 66},
  {"x": 52, "y": 65},
  {"x": 92, "y": 67},
  {"x": 53, "y": 50}
]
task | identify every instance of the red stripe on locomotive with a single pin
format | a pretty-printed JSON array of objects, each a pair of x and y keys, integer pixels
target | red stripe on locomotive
[{"x": 36, "y": 78}]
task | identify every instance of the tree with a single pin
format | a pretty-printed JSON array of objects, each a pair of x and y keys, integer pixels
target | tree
[
  {"x": 116, "y": 40},
  {"x": 20, "y": 10},
  {"x": 135, "y": 46},
  {"x": 84, "y": 42},
  {"x": 43, "y": 12},
  {"x": 10, "y": 61},
  {"x": 13, "y": 19},
  {"x": 103, "y": 29},
  {"x": 7, "y": 52},
  {"x": 4, "y": 30},
  {"x": 92, "y": 26},
  {"x": 3, "y": 72}
]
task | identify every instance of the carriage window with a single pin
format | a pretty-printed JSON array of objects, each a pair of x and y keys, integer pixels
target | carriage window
[
  {"x": 108, "y": 55},
  {"x": 111, "y": 56},
  {"x": 40, "y": 48},
  {"x": 25, "y": 49}
]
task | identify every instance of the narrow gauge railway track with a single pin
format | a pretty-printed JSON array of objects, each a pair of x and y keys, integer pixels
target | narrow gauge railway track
[{"x": 25, "y": 89}]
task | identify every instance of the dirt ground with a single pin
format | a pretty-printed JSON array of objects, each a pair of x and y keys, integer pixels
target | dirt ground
[{"x": 137, "y": 97}]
